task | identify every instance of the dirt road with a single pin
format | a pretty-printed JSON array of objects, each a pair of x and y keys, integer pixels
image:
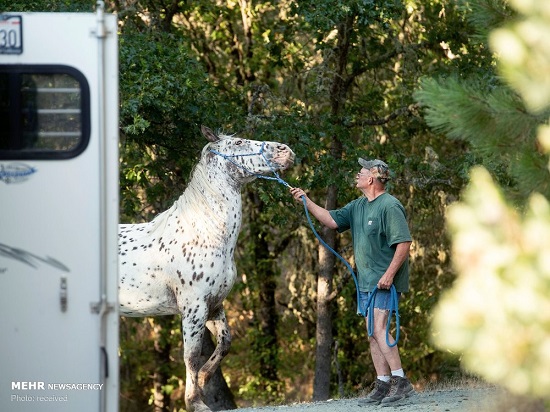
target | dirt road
[{"x": 463, "y": 400}]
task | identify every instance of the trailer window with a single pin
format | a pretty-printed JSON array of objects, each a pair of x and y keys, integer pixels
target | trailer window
[{"x": 44, "y": 112}]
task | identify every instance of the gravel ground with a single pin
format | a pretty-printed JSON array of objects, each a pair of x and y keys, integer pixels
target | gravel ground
[{"x": 463, "y": 400}]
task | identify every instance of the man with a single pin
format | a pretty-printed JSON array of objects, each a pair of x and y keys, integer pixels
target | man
[{"x": 381, "y": 244}]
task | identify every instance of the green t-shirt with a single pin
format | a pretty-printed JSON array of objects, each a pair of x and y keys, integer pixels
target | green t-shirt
[{"x": 376, "y": 228}]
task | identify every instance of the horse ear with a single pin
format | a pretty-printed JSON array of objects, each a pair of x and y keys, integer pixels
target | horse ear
[{"x": 209, "y": 134}]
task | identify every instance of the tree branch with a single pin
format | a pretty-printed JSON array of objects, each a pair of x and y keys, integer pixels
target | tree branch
[{"x": 386, "y": 119}]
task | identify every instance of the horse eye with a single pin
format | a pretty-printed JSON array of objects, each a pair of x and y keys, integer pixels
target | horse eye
[{"x": 238, "y": 142}]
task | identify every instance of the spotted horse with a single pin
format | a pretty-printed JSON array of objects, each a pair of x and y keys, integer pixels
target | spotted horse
[{"x": 182, "y": 261}]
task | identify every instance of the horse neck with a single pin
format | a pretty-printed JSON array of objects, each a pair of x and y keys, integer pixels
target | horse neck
[{"x": 213, "y": 199}]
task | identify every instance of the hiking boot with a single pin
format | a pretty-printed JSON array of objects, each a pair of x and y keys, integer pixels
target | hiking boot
[
  {"x": 400, "y": 388},
  {"x": 380, "y": 390}
]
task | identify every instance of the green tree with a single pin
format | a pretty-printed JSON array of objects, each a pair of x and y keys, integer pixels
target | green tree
[{"x": 501, "y": 285}]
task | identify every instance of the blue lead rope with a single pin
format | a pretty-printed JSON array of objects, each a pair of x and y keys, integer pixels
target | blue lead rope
[
  {"x": 370, "y": 302},
  {"x": 393, "y": 308}
]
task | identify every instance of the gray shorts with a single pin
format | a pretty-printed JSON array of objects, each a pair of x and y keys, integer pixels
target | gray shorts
[{"x": 382, "y": 300}]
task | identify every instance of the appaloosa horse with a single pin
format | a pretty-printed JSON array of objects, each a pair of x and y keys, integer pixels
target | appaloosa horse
[{"x": 182, "y": 261}]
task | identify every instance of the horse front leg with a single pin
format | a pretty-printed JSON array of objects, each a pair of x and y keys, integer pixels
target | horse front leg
[
  {"x": 219, "y": 328},
  {"x": 193, "y": 329}
]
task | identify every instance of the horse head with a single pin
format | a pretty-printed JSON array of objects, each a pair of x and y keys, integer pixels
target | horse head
[{"x": 246, "y": 159}]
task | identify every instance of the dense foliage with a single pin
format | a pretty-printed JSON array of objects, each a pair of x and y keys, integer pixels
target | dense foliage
[
  {"x": 335, "y": 80},
  {"x": 501, "y": 253}
]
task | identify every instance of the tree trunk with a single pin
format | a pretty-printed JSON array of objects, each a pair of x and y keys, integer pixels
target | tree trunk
[
  {"x": 217, "y": 394},
  {"x": 323, "y": 350},
  {"x": 266, "y": 315},
  {"x": 321, "y": 383},
  {"x": 161, "y": 403},
  {"x": 266, "y": 318}
]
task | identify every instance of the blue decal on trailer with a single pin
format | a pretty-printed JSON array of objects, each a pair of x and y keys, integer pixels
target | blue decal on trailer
[{"x": 15, "y": 173}]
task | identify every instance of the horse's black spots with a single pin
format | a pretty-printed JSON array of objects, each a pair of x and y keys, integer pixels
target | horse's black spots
[
  {"x": 123, "y": 263},
  {"x": 134, "y": 248},
  {"x": 202, "y": 246}
]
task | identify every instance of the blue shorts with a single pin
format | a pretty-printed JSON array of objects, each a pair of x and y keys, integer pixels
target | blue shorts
[{"x": 382, "y": 300}]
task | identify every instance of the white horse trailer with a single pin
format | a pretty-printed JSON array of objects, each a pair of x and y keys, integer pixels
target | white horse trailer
[{"x": 58, "y": 211}]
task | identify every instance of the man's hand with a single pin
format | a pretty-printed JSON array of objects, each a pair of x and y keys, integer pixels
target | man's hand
[
  {"x": 298, "y": 193},
  {"x": 401, "y": 254},
  {"x": 386, "y": 281},
  {"x": 319, "y": 212}
]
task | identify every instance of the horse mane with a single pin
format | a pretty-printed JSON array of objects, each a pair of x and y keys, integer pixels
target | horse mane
[{"x": 196, "y": 198}]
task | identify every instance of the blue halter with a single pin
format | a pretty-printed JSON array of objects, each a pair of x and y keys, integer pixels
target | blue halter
[{"x": 229, "y": 158}]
